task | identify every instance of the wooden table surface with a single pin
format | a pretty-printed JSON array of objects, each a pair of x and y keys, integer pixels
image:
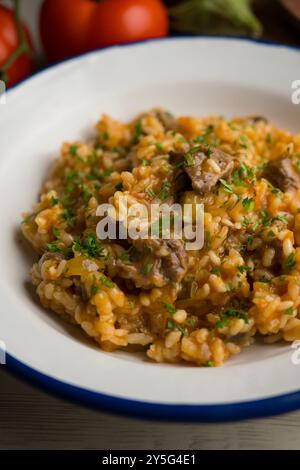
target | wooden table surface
[{"x": 31, "y": 419}]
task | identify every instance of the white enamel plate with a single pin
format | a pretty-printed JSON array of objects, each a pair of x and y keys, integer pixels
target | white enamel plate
[{"x": 188, "y": 76}]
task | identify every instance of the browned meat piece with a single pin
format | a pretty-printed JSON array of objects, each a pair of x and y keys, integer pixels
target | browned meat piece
[
  {"x": 256, "y": 119},
  {"x": 156, "y": 263},
  {"x": 80, "y": 289},
  {"x": 175, "y": 263},
  {"x": 167, "y": 120},
  {"x": 170, "y": 253},
  {"x": 282, "y": 174},
  {"x": 204, "y": 177}
]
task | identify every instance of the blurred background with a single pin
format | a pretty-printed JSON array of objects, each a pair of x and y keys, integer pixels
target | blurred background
[{"x": 34, "y": 33}]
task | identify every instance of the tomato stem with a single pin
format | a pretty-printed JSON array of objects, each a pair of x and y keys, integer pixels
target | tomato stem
[{"x": 23, "y": 43}]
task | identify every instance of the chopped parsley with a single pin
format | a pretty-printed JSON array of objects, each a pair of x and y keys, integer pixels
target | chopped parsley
[
  {"x": 54, "y": 248},
  {"x": 289, "y": 311},
  {"x": 87, "y": 195},
  {"x": 250, "y": 240},
  {"x": 126, "y": 256},
  {"x": 165, "y": 190},
  {"x": 281, "y": 218},
  {"x": 271, "y": 233},
  {"x": 222, "y": 323},
  {"x": 159, "y": 146},
  {"x": 276, "y": 191},
  {"x": 244, "y": 141},
  {"x": 147, "y": 269},
  {"x": 56, "y": 232},
  {"x": 71, "y": 175},
  {"x": 183, "y": 331},
  {"x": 290, "y": 261},
  {"x": 54, "y": 201},
  {"x": 248, "y": 204},
  {"x": 170, "y": 308},
  {"x": 215, "y": 270},
  {"x": 269, "y": 138},
  {"x": 107, "y": 282},
  {"x": 89, "y": 246},
  {"x": 138, "y": 131},
  {"x": 229, "y": 287},
  {"x": 210, "y": 364},
  {"x": 73, "y": 150},
  {"x": 265, "y": 280},
  {"x": 94, "y": 289},
  {"x": 69, "y": 217},
  {"x": 265, "y": 217},
  {"x": 170, "y": 325},
  {"x": 202, "y": 138},
  {"x": 231, "y": 313},
  {"x": 244, "y": 269},
  {"x": 189, "y": 159},
  {"x": 226, "y": 186}
]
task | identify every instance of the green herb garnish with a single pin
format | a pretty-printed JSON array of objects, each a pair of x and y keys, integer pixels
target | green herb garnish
[
  {"x": 164, "y": 192},
  {"x": 289, "y": 311},
  {"x": 54, "y": 201},
  {"x": 138, "y": 131},
  {"x": 94, "y": 290},
  {"x": 244, "y": 269},
  {"x": 54, "y": 248},
  {"x": 89, "y": 246},
  {"x": 226, "y": 186},
  {"x": 290, "y": 261},
  {"x": 56, "y": 232},
  {"x": 170, "y": 308},
  {"x": 248, "y": 204},
  {"x": 107, "y": 282},
  {"x": 73, "y": 150},
  {"x": 147, "y": 269}
]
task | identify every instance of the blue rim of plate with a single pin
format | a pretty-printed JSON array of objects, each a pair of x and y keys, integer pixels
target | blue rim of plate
[{"x": 157, "y": 411}]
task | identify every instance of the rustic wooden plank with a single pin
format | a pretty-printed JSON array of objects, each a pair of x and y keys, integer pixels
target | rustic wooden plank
[{"x": 31, "y": 419}]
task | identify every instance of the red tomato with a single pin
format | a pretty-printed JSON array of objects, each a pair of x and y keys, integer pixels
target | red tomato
[
  {"x": 71, "y": 27},
  {"x": 9, "y": 41}
]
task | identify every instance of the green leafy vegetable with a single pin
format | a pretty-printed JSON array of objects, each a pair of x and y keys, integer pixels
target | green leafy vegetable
[{"x": 215, "y": 17}]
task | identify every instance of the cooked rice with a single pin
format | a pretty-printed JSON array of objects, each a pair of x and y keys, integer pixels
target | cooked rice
[{"x": 245, "y": 281}]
